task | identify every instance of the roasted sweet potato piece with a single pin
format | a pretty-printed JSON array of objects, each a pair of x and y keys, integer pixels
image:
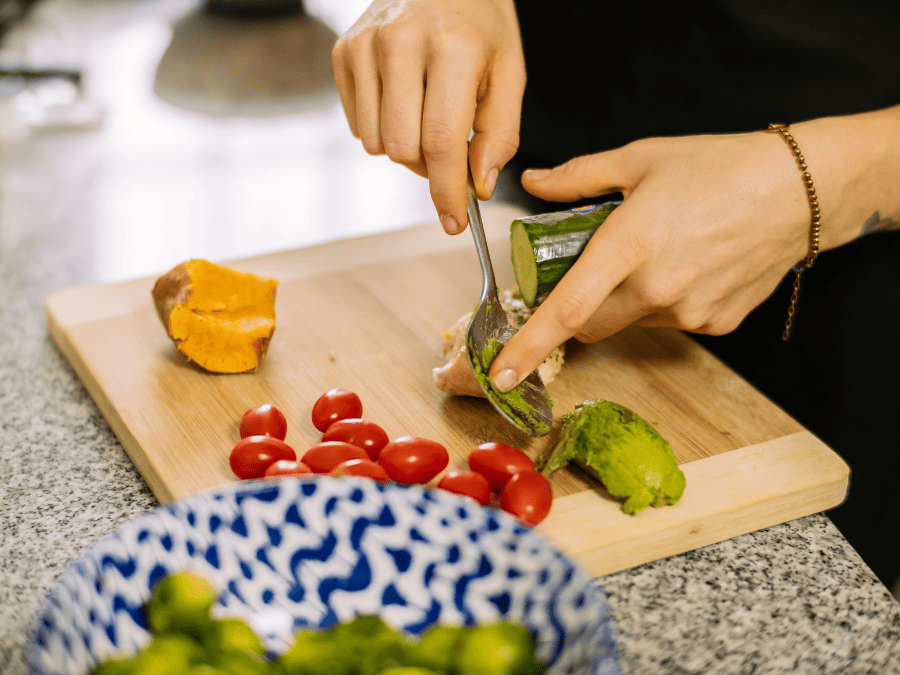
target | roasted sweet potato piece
[{"x": 217, "y": 317}]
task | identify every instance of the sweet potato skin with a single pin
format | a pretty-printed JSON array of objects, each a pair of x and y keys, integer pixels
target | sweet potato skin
[
  {"x": 172, "y": 295},
  {"x": 171, "y": 289}
]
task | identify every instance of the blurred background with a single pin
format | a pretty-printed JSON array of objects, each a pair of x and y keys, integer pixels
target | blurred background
[{"x": 160, "y": 130}]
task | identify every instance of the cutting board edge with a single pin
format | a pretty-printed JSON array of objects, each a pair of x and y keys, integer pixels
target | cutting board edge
[
  {"x": 767, "y": 514},
  {"x": 668, "y": 531}
]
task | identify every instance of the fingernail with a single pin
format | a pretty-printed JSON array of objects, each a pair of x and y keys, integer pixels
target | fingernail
[
  {"x": 491, "y": 182},
  {"x": 537, "y": 174},
  {"x": 449, "y": 224},
  {"x": 505, "y": 380}
]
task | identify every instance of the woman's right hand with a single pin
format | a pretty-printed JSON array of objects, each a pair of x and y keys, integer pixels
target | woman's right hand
[{"x": 418, "y": 77}]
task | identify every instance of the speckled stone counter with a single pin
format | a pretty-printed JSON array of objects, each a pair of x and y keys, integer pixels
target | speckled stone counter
[{"x": 794, "y": 598}]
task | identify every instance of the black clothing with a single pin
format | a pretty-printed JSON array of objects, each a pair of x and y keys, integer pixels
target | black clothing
[{"x": 603, "y": 74}]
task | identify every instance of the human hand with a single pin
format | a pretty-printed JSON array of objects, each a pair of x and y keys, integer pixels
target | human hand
[
  {"x": 470, "y": 55},
  {"x": 708, "y": 227}
]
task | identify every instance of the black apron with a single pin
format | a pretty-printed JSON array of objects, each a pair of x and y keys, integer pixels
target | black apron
[{"x": 603, "y": 74}]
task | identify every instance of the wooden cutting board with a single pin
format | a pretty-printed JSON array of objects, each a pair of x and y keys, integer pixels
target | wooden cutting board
[{"x": 369, "y": 315}]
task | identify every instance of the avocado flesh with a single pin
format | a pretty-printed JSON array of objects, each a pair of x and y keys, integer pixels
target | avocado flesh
[{"x": 634, "y": 462}]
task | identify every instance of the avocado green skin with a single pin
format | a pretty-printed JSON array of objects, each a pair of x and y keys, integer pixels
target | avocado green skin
[{"x": 634, "y": 462}]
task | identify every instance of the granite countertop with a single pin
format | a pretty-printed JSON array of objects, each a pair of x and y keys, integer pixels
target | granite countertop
[{"x": 794, "y": 598}]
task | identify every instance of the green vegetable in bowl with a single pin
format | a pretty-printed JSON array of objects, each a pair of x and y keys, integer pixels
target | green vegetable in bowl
[
  {"x": 496, "y": 649},
  {"x": 434, "y": 650},
  {"x": 231, "y": 634},
  {"x": 634, "y": 462},
  {"x": 180, "y": 603},
  {"x": 239, "y": 662},
  {"x": 187, "y": 640},
  {"x": 364, "y": 646},
  {"x": 368, "y": 646},
  {"x": 314, "y": 653}
]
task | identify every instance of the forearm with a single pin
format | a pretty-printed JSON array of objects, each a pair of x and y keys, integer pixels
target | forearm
[{"x": 854, "y": 162}]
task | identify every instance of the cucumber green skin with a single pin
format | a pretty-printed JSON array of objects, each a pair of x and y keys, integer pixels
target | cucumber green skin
[
  {"x": 553, "y": 230},
  {"x": 549, "y": 272}
]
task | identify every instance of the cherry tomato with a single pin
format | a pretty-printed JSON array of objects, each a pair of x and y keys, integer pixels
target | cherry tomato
[
  {"x": 468, "y": 484},
  {"x": 323, "y": 457},
  {"x": 528, "y": 496},
  {"x": 335, "y": 404},
  {"x": 411, "y": 460},
  {"x": 367, "y": 435},
  {"x": 264, "y": 420},
  {"x": 286, "y": 467},
  {"x": 252, "y": 455},
  {"x": 499, "y": 462},
  {"x": 361, "y": 467}
]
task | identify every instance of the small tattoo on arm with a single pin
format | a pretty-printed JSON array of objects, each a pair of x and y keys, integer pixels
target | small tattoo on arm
[{"x": 876, "y": 223}]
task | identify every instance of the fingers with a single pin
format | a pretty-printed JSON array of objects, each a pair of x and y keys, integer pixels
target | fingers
[
  {"x": 346, "y": 85},
  {"x": 360, "y": 87},
  {"x": 587, "y": 288},
  {"x": 641, "y": 298},
  {"x": 417, "y": 79},
  {"x": 586, "y": 292},
  {"x": 402, "y": 71},
  {"x": 583, "y": 177},
  {"x": 416, "y": 103},
  {"x": 455, "y": 66}
]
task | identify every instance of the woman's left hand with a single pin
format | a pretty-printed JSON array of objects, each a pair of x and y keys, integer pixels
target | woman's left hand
[{"x": 708, "y": 227}]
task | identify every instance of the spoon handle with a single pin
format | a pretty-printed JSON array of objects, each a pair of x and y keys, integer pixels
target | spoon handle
[{"x": 487, "y": 269}]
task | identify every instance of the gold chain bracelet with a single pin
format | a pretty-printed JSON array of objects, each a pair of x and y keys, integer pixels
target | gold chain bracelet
[{"x": 810, "y": 258}]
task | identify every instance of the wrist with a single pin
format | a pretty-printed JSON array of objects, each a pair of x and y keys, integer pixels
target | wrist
[{"x": 855, "y": 164}]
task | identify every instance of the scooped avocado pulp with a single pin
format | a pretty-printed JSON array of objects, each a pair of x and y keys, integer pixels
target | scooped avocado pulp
[
  {"x": 512, "y": 402},
  {"x": 634, "y": 462}
]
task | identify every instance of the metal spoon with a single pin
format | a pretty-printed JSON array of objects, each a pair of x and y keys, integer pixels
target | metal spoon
[{"x": 527, "y": 406}]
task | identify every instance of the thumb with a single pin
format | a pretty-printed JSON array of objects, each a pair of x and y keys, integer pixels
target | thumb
[{"x": 579, "y": 178}]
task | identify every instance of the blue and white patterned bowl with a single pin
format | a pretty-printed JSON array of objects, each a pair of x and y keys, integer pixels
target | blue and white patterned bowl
[{"x": 297, "y": 553}]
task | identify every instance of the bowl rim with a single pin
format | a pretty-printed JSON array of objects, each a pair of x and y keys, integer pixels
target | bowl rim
[{"x": 254, "y": 486}]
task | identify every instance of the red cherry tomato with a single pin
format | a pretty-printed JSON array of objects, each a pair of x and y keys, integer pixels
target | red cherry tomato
[
  {"x": 467, "y": 484},
  {"x": 252, "y": 455},
  {"x": 361, "y": 467},
  {"x": 499, "y": 462},
  {"x": 528, "y": 496},
  {"x": 335, "y": 404},
  {"x": 323, "y": 457},
  {"x": 264, "y": 420},
  {"x": 367, "y": 435},
  {"x": 286, "y": 467},
  {"x": 411, "y": 460}
]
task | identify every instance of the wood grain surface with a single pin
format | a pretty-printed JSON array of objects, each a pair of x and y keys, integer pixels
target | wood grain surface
[{"x": 369, "y": 315}]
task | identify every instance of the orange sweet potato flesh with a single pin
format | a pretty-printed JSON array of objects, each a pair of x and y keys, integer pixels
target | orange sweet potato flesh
[{"x": 221, "y": 319}]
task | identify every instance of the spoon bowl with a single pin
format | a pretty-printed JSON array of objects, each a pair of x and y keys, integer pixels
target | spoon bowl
[{"x": 527, "y": 405}]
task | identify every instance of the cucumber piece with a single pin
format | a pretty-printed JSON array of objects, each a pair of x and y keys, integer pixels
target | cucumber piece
[{"x": 545, "y": 246}]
